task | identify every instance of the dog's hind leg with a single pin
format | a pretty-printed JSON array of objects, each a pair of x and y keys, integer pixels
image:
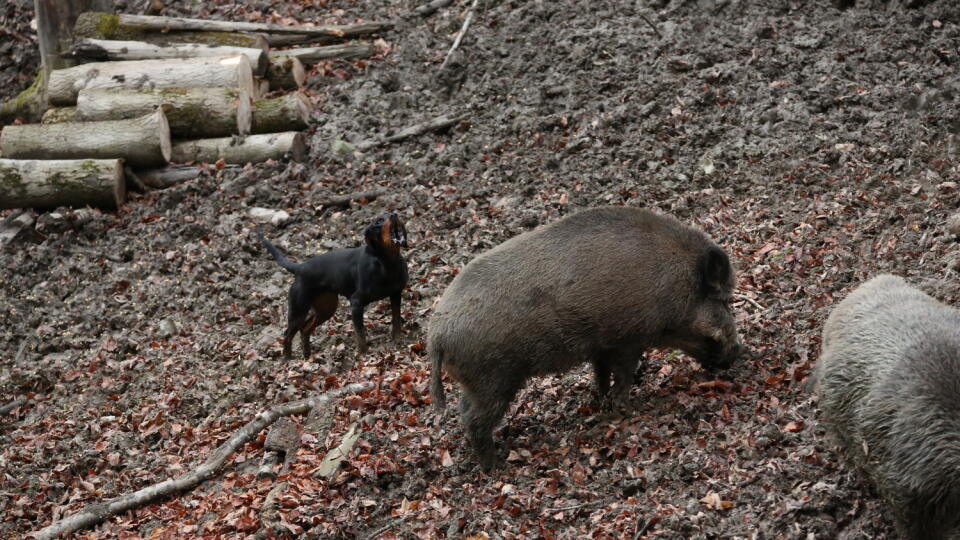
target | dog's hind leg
[
  {"x": 324, "y": 306},
  {"x": 298, "y": 311}
]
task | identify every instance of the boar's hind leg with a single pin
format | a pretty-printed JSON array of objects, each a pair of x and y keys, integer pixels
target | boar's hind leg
[
  {"x": 481, "y": 412},
  {"x": 601, "y": 374}
]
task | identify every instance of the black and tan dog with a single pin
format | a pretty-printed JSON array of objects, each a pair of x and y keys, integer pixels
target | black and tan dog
[{"x": 362, "y": 274}]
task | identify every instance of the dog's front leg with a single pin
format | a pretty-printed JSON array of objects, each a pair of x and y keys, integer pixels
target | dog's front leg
[
  {"x": 395, "y": 316},
  {"x": 356, "y": 310}
]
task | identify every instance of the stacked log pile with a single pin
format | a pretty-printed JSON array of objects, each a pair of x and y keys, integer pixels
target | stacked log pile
[{"x": 155, "y": 90}]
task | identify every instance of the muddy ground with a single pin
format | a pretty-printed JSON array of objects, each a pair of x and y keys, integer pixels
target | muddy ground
[{"x": 817, "y": 146}]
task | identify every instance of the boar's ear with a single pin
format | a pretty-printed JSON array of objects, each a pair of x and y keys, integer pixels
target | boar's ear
[{"x": 715, "y": 273}]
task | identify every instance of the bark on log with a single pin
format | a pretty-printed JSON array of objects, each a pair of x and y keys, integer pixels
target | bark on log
[
  {"x": 289, "y": 112},
  {"x": 230, "y": 71},
  {"x": 166, "y": 39},
  {"x": 285, "y": 73},
  {"x": 437, "y": 124},
  {"x": 89, "y": 23},
  {"x": 194, "y": 113},
  {"x": 53, "y": 183},
  {"x": 59, "y": 115},
  {"x": 141, "y": 142},
  {"x": 250, "y": 149},
  {"x": 95, "y": 513},
  {"x": 105, "y": 49},
  {"x": 316, "y": 54},
  {"x": 288, "y": 40}
]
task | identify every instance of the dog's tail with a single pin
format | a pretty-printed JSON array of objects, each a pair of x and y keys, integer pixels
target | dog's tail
[
  {"x": 281, "y": 259},
  {"x": 436, "y": 384}
]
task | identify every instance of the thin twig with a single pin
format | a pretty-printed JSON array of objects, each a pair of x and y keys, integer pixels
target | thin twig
[
  {"x": 750, "y": 300},
  {"x": 383, "y": 529},
  {"x": 644, "y": 17},
  {"x": 463, "y": 31},
  {"x": 574, "y": 507}
]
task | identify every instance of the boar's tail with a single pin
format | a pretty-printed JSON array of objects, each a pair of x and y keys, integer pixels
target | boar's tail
[
  {"x": 279, "y": 257},
  {"x": 436, "y": 384}
]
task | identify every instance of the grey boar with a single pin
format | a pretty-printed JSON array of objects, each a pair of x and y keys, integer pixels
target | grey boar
[
  {"x": 599, "y": 286},
  {"x": 888, "y": 382}
]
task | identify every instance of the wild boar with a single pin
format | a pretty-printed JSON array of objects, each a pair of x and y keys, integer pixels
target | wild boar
[
  {"x": 599, "y": 286},
  {"x": 888, "y": 382}
]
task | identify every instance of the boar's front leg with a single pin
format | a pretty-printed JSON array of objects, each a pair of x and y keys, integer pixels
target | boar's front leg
[{"x": 621, "y": 363}]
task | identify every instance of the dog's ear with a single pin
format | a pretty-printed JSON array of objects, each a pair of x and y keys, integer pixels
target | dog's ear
[{"x": 372, "y": 235}]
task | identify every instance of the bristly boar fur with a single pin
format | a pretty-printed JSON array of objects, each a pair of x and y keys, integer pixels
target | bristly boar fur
[
  {"x": 599, "y": 286},
  {"x": 888, "y": 382}
]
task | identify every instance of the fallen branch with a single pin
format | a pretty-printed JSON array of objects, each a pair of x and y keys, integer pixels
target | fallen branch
[
  {"x": 437, "y": 124},
  {"x": 174, "y": 24},
  {"x": 345, "y": 200},
  {"x": 10, "y": 227},
  {"x": 96, "y": 513},
  {"x": 12, "y": 405},
  {"x": 430, "y": 8},
  {"x": 171, "y": 175},
  {"x": 463, "y": 31}
]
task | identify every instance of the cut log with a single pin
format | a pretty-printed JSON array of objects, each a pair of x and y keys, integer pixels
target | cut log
[
  {"x": 285, "y": 73},
  {"x": 90, "y": 23},
  {"x": 105, "y": 49},
  {"x": 141, "y": 142},
  {"x": 316, "y": 54},
  {"x": 194, "y": 113},
  {"x": 167, "y": 39},
  {"x": 50, "y": 183},
  {"x": 250, "y": 149},
  {"x": 289, "y": 112},
  {"x": 58, "y": 115},
  {"x": 227, "y": 72}
]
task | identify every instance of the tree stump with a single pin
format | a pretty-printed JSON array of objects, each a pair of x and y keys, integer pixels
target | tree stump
[
  {"x": 141, "y": 142},
  {"x": 227, "y": 72},
  {"x": 194, "y": 113},
  {"x": 52, "y": 183}
]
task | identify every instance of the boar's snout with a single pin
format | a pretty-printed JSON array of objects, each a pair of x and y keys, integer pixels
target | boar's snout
[{"x": 723, "y": 356}]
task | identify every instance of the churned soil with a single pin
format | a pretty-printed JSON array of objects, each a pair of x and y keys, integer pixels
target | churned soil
[{"x": 817, "y": 146}]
